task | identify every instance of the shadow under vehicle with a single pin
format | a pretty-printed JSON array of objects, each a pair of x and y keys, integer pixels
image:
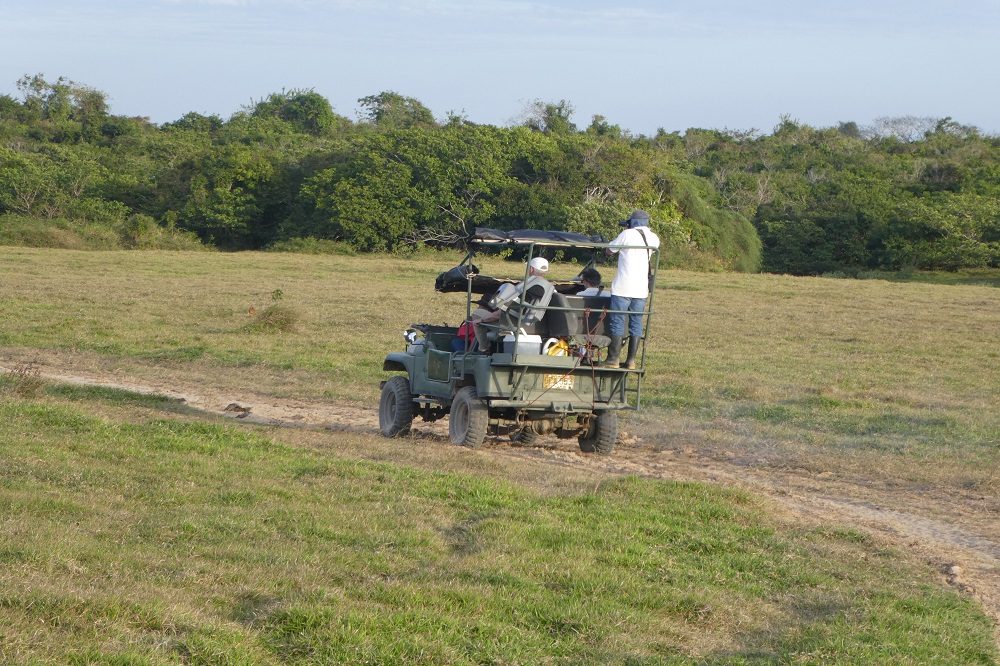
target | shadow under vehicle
[{"x": 539, "y": 378}]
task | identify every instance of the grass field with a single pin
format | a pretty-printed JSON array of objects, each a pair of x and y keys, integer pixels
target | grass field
[
  {"x": 133, "y": 538},
  {"x": 134, "y": 531},
  {"x": 841, "y": 375}
]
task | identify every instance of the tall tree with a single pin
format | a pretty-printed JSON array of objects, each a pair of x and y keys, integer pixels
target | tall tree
[
  {"x": 549, "y": 117},
  {"x": 306, "y": 110},
  {"x": 390, "y": 110}
]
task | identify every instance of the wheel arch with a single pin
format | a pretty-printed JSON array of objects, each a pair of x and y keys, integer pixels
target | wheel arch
[
  {"x": 468, "y": 379},
  {"x": 397, "y": 362}
]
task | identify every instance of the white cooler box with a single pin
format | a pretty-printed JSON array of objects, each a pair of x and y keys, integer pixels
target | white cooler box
[{"x": 526, "y": 344}]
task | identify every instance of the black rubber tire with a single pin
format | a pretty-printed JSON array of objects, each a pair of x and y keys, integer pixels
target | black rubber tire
[
  {"x": 469, "y": 419},
  {"x": 602, "y": 435},
  {"x": 526, "y": 436},
  {"x": 395, "y": 407}
]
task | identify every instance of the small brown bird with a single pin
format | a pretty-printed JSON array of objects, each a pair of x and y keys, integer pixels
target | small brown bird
[{"x": 252, "y": 311}]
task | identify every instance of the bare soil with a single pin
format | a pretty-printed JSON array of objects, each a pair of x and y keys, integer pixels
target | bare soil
[{"x": 957, "y": 531}]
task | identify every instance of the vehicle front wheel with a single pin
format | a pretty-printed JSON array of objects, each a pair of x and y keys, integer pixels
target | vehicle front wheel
[
  {"x": 602, "y": 434},
  {"x": 469, "y": 418},
  {"x": 395, "y": 407}
]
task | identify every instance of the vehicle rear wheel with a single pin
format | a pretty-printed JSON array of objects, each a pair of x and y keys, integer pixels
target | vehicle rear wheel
[
  {"x": 469, "y": 419},
  {"x": 395, "y": 407},
  {"x": 602, "y": 434},
  {"x": 526, "y": 436}
]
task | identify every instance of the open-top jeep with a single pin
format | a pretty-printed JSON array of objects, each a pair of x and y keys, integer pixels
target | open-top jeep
[{"x": 539, "y": 378}]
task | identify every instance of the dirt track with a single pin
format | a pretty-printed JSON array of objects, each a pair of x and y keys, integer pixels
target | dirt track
[{"x": 959, "y": 533}]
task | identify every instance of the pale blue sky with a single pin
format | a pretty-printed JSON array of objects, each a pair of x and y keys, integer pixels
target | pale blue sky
[{"x": 643, "y": 64}]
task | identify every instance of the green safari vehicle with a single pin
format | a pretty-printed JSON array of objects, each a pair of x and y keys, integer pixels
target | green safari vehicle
[{"x": 540, "y": 378}]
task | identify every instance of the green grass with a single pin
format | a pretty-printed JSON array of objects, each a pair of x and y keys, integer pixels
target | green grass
[
  {"x": 146, "y": 537},
  {"x": 862, "y": 377},
  {"x": 84, "y": 393},
  {"x": 135, "y": 532}
]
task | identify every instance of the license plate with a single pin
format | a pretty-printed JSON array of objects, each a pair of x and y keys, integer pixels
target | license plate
[{"x": 558, "y": 382}]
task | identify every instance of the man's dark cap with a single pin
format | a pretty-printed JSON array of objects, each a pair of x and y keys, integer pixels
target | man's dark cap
[{"x": 639, "y": 218}]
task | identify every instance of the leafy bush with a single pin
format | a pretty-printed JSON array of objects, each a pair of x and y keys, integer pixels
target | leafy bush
[
  {"x": 311, "y": 245},
  {"x": 138, "y": 232},
  {"x": 56, "y": 233},
  {"x": 722, "y": 233},
  {"x": 688, "y": 257},
  {"x": 276, "y": 318},
  {"x": 141, "y": 232}
]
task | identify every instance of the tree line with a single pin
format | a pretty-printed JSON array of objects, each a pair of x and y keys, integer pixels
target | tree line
[{"x": 287, "y": 171}]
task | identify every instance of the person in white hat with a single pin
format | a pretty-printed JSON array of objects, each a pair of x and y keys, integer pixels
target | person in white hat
[{"x": 533, "y": 295}]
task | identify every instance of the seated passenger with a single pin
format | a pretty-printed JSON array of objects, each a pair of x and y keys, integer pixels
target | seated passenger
[
  {"x": 463, "y": 337},
  {"x": 591, "y": 279},
  {"x": 525, "y": 299},
  {"x": 483, "y": 311}
]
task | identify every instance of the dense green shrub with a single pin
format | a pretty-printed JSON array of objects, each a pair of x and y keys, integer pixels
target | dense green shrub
[
  {"x": 141, "y": 232},
  {"x": 289, "y": 174},
  {"x": 310, "y": 245},
  {"x": 829, "y": 201},
  {"x": 138, "y": 232},
  {"x": 58, "y": 233}
]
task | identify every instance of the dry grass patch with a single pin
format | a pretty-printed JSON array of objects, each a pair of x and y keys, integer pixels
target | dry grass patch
[
  {"x": 275, "y": 318},
  {"x": 23, "y": 380}
]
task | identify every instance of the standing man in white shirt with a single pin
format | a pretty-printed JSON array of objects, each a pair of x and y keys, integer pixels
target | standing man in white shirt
[{"x": 630, "y": 288}]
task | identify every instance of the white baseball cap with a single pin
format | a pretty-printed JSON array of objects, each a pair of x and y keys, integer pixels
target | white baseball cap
[{"x": 540, "y": 264}]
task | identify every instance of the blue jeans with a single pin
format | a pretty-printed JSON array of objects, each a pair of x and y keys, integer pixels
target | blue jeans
[{"x": 616, "y": 322}]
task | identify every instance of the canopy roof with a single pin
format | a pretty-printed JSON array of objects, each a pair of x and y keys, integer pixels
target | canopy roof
[
  {"x": 457, "y": 279},
  {"x": 485, "y": 236}
]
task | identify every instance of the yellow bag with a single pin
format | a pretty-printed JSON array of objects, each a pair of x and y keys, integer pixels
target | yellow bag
[{"x": 557, "y": 348}]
